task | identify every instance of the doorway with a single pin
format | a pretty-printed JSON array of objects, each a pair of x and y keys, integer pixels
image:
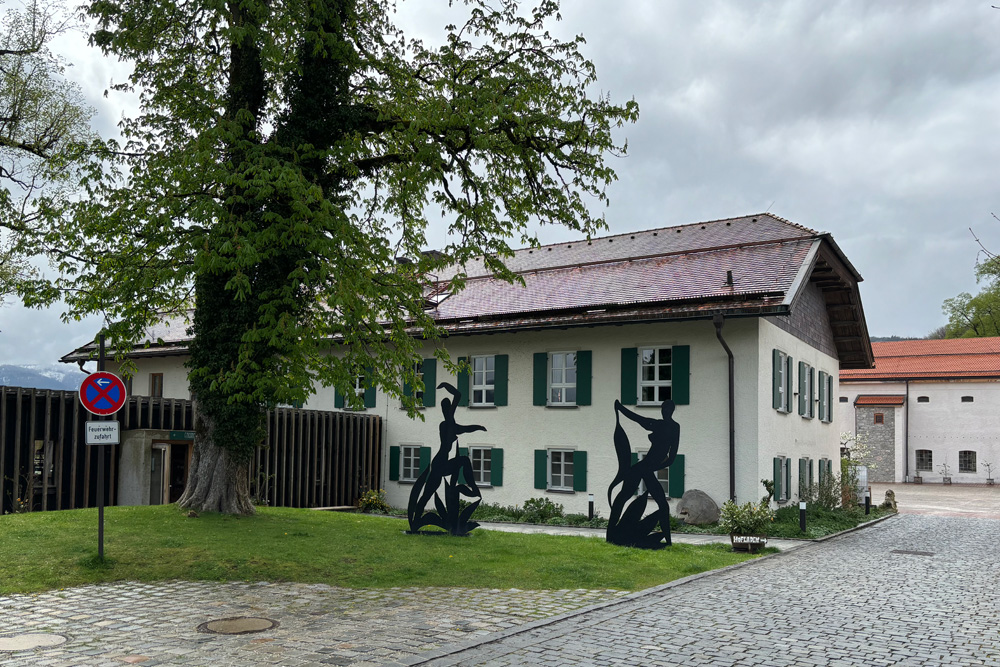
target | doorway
[{"x": 168, "y": 471}]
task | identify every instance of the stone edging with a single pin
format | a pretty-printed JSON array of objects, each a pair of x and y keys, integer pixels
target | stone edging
[{"x": 452, "y": 649}]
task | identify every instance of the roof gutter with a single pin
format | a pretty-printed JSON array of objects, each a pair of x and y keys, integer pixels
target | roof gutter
[{"x": 718, "y": 320}]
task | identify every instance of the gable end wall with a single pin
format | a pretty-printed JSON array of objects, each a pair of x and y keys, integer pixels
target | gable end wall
[{"x": 809, "y": 320}]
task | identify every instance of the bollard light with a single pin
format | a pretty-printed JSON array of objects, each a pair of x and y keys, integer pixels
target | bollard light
[
  {"x": 802, "y": 516},
  {"x": 868, "y": 501},
  {"x": 590, "y": 501}
]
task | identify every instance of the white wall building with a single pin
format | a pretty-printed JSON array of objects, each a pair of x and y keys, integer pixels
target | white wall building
[
  {"x": 925, "y": 405},
  {"x": 630, "y": 317}
]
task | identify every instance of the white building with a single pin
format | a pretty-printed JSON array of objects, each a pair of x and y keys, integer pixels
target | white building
[
  {"x": 925, "y": 405},
  {"x": 630, "y": 317}
]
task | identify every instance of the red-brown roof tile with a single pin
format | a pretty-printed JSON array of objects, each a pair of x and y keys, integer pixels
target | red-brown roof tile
[
  {"x": 871, "y": 399},
  {"x": 928, "y": 359}
]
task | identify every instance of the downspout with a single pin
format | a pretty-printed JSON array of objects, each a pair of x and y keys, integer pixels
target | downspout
[
  {"x": 906, "y": 436},
  {"x": 718, "y": 321}
]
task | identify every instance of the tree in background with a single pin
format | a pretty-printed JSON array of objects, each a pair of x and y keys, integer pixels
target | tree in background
[
  {"x": 287, "y": 154},
  {"x": 977, "y": 316},
  {"x": 44, "y": 126}
]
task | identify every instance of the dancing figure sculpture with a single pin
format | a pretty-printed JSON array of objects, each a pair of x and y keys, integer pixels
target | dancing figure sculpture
[
  {"x": 627, "y": 526},
  {"x": 444, "y": 468}
]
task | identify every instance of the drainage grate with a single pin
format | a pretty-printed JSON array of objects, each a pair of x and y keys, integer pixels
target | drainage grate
[
  {"x": 912, "y": 553},
  {"x": 240, "y": 625}
]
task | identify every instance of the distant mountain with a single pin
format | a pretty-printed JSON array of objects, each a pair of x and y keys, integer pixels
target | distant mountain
[{"x": 64, "y": 376}]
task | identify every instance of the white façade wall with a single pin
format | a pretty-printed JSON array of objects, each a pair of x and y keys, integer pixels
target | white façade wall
[
  {"x": 521, "y": 427},
  {"x": 789, "y": 434},
  {"x": 175, "y": 383}
]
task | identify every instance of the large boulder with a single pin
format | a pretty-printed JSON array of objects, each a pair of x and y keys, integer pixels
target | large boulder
[{"x": 697, "y": 508}]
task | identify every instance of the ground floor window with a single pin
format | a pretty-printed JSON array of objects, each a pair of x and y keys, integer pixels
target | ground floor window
[
  {"x": 410, "y": 468},
  {"x": 482, "y": 465},
  {"x": 561, "y": 470},
  {"x": 925, "y": 460},
  {"x": 966, "y": 461},
  {"x": 662, "y": 476}
]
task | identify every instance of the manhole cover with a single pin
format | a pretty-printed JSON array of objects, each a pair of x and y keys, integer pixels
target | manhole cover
[
  {"x": 241, "y": 625},
  {"x": 912, "y": 553},
  {"x": 29, "y": 641}
]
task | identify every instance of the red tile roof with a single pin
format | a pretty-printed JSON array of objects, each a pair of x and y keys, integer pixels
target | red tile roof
[
  {"x": 870, "y": 399},
  {"x": 929, "y": 359}
]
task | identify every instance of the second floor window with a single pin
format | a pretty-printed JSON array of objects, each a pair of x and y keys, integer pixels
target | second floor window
[
  {"x": 654, "y": 375},
  {"x": 562, "y": 379}
]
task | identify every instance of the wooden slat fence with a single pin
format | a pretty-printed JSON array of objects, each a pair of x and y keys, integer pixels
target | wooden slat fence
[{"x": 311, "y": 458}]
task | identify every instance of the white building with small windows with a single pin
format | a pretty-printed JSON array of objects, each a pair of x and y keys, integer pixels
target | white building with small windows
[
  {"x": 929, "y": 409},
  {"x": 744, "y": 323}
]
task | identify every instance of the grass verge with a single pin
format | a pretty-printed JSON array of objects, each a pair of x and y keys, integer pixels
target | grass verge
[{"x": 49, "y": 550}]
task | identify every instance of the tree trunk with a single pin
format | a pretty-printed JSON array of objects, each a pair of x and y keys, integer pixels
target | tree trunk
[{"x": 217, "y": 482}]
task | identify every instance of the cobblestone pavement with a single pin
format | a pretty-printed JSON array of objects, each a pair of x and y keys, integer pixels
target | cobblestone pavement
[
  {"x": 968, "y": 500},
  {"x": 155, "y": 624},
  {"x": 851, "y": 600}
]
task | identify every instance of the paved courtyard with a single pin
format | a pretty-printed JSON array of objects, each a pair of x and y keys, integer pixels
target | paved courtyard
[
  {"x": 851, "y": 600},
  {"x": 858, "y": 599},
  {"x": 968, "y": 500}
]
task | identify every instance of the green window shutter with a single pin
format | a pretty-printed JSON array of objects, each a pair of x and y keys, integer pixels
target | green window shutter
[
  {"x": 776, "y": 379},
  {"x": 369, "y": 391},
  {"x": 788, "y": 479},
  {"x": 822, "y": 396},
  {"x": 675, "y": 477},
  {"x": 394, "y": 464},
  {"x": 462, "y": 451},
  {"x": 777, "y": 478},
  {"x": 496, "y": 466},
  {"x": 811, "y": 478},
  {"x": 338, "y": 400},
  {"x": 803, "y": 472},
  {"x": 829, "y": 400},
  {"x": 579, "y": 471},
  {"x": 789, "y": 365},
  {"x": 822, "y": 470},
  {"x": 680, "y": 374},
  {"x": 584, "y": 373},
  {"x": 630, "y": 375},
  {"x": 462, "y": 380},
  {"x": 541, "y": 469},
  {"x": 500, "y": 380},
  {"x": 430, "y": 382},
  {"x": 425, "y": 458},
  {"x": 802, "y": 388},
  {"x": 540, "y": 385},
  {"x": 829, "y": 468}
]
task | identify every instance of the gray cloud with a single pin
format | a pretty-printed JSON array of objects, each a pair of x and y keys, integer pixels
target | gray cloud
[{"x": 876, "y": 122}]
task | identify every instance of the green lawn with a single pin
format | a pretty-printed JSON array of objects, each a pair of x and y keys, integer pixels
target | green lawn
[{"x": 48, "y": 550}]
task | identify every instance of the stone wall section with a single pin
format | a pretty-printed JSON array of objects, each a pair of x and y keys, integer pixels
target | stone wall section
[
  {"x": 809, "y": 320},
  {"x": 881, "y": 438}
]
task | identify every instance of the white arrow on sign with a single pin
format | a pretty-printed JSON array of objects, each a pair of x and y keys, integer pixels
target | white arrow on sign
[{"x": 101, "y": 382}]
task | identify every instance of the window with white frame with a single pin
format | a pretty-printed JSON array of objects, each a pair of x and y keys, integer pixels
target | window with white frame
[
  {"x": 782, "y": 382},
  {"x": 483, "y": 380},
  {"x": 359, "y": 385},
  {"x": 811, "y": 395},
  {"x": 654, "y": 375},
  {"x": 662, "y": 476},
  {"x": 482, "y": 465},
  {"x": 966, "y": 461},
  {"x": 418, "y": 373},
  {"x": 562, "y": 378},
  {"x": 925, "y": 460},
  {"x": 786, "y": 478},
  {"x": 410, "y": 464},
  {"x": 560, "y": 470}
]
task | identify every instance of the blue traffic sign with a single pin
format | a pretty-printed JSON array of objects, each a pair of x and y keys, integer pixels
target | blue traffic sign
[{"x": 103, "y": 393}]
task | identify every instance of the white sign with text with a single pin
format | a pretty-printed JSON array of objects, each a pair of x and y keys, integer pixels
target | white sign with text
[{"x": 103, "y": 433}]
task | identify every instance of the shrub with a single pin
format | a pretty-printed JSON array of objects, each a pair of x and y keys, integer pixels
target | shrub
[
  {"x": 540, "y": 510},
  {"x": 747, "y": 519},
  {"x": 373, "y": 502}
]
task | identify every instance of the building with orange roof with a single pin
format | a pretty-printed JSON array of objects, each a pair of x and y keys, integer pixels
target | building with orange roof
[{"x": 927, "y": 408}]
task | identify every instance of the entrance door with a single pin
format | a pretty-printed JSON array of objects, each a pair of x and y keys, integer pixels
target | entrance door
[
  {"x": 180, "y": 455},
  {"x": 157, "y": 474}
]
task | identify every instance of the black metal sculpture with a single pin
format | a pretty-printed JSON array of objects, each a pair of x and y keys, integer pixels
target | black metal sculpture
[
  {"x": 627, "y": 526},
  {"x": 448, "y": 514}
]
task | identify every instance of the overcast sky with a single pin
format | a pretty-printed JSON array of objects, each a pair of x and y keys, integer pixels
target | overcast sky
[{"x": 874, "y": 121}]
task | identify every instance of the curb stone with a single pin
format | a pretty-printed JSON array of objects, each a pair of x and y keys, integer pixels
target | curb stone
[{"x": 443, "y": 653}]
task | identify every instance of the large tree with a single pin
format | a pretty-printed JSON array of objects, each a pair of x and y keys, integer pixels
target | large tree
[
  {"x": 44, "y": 127},
  {"x": 287, "y": 155},
  {"x": 975, "y": 316}
]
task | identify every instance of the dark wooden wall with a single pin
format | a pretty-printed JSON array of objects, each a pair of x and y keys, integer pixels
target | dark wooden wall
[{"x": 310, "y": 458}]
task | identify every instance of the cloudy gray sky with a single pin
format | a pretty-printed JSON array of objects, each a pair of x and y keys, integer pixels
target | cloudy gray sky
[{"x": 874, "y": 121}]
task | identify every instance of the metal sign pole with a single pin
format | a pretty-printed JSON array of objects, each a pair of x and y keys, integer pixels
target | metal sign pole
[{"x": 100, "y": 475}]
